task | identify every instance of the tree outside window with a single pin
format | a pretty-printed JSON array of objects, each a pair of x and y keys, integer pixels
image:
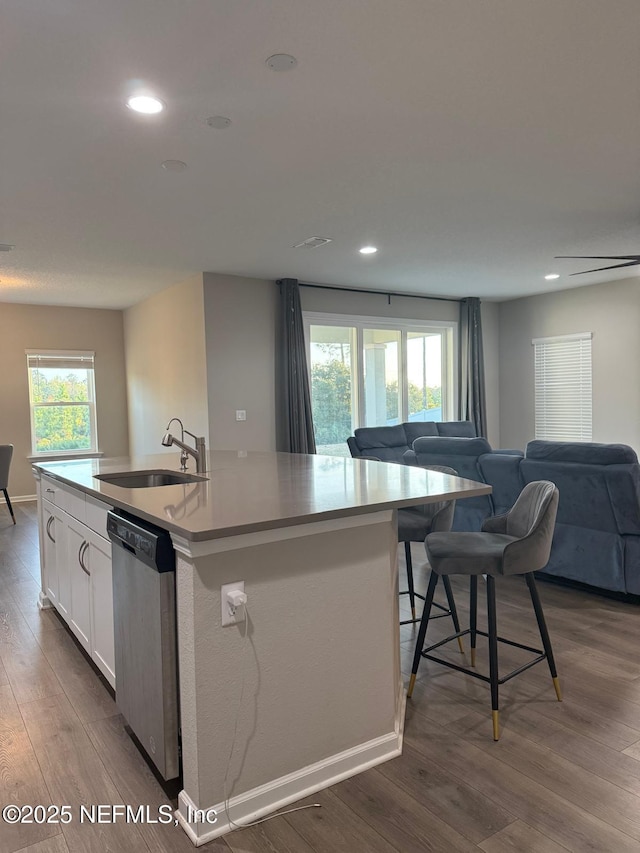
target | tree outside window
[
  {"x": 61, "y": 387},
  {"x": 376, "y": 373}
]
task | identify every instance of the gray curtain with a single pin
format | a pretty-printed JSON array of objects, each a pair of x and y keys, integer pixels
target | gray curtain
[
  {"x": 294, "y": 421},
  {"x": 471, "y": 385}
]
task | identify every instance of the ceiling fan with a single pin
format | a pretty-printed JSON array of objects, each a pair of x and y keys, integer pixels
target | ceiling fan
[{"x": 631, "y": 261}]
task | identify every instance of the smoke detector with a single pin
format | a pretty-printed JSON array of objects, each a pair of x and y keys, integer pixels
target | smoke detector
[
  {"x": 281, "y": 62},
  {"x": 173, "y": 165},
  {"x": 313, "y": 243},
  {"x": 218, "y": 122}
]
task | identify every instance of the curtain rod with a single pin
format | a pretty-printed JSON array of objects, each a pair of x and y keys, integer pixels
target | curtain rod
[{"x": 380, "y": 292}]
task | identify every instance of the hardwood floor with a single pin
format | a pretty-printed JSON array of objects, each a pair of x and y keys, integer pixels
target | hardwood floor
[{"x": 564, "y": 776}]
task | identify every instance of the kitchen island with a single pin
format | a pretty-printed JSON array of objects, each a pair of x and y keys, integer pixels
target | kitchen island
[{"x": 306, "y": 690}]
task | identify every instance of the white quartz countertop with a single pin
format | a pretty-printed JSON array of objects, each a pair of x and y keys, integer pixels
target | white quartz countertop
[{"x": 246, "y": 491}]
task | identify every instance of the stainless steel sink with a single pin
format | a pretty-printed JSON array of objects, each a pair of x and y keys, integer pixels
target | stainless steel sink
[{"x": 149, "y": 479}]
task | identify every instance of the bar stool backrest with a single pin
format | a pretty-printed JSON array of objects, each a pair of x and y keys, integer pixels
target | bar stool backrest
[
  {"x": 531, "y": 521},
  {"x": 6, "y": 452}
]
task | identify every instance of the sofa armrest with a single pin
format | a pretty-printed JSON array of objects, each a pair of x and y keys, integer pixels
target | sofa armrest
[{"x": 352, "y": 444}]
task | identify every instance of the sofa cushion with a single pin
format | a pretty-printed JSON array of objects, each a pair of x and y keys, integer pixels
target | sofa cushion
[
  {"x": 461, "y": 429},
  {"x": 443, "y": 446},
  {"x": 461, "y": 454},
  {"x": 585, "y": 452},
  {"x": 502, "y": 471},
  {"x": 387, "y": 443},
  {"x": 418, "y": 429},
  {"x": 584, "y": 497},
  {"x": 594, "y": 557}
]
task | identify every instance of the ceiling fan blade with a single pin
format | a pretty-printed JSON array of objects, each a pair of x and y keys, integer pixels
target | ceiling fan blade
[
  {"x": 614, "y": 267},
  {"x": 603, "y": 257}
]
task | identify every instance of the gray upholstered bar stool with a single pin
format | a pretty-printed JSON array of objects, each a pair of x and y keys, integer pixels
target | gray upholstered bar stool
[
  {"x": 6, "y": 452},
  {"x": 518, "y": 543},
  {"x": 414, "y": 524}
]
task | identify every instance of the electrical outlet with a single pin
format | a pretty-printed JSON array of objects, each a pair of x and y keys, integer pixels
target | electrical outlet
[
  {"x": 241, "y": 414},
  {"x": 231, "y": 615}
]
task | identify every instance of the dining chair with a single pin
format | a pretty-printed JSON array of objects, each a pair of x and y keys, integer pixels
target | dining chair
[{"x": 6, "y": 452}]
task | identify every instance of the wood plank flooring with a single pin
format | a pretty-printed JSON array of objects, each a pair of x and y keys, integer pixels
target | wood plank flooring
[{"x": 564, "y": 776}]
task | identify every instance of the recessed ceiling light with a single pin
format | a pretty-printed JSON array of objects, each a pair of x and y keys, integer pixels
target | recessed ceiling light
[
  {"x": 552, "y": 276},
  {"x": 281, "y": 62},
  {"x": 368, "y": 250},
  {"x": 173, "y": 165},
  {"x": 145, "y": 104},
  {"x": 218, "y": 122}
]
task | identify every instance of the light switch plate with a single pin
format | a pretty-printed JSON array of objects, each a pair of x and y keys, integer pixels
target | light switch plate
[{"x": 241, "y": 414}]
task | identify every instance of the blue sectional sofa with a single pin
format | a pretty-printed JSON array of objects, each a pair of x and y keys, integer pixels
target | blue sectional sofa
[
  {"x": 597, "y": 534},
  {"x": 473, "y": 459},
  {"x": 390, "y": 443}
]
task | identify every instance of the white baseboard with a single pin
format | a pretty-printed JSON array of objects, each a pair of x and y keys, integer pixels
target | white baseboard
[
  {"x": 23, "y": 498},
  {"x": 44, "y": 602},
  {"x": 275, "y": 795}
]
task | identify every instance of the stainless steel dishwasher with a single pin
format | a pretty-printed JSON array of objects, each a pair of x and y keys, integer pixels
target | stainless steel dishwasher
[{"x": 144, "y": 608}]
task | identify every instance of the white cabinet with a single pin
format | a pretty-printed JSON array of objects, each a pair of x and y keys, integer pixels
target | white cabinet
[
  {"x": 76, "y": 567},
  {"x": 54, "y": 564},
  {"x": 80, "y": 582},
  {"x": 98, "y": 558}
]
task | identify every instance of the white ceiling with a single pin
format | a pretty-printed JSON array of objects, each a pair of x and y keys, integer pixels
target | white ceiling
[{"x": 470, "y": 140}]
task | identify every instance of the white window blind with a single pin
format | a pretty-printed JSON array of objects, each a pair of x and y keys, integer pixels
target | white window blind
[
  {"x": 563, "y": 396},
  {"x": 61, "y": 360}
]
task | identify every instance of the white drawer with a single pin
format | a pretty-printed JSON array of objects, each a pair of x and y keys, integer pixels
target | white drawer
[
  {"x": 74, "y": 503},
  {"x": 50, "y": 490},
  {"x": 96, "y": 515}
]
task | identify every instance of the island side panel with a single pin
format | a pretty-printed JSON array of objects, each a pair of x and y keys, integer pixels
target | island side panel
[{"x": 318, "y": 670}]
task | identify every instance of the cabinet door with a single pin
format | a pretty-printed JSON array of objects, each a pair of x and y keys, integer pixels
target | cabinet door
[
  {"x": 51, "y": 530},
  {"x": 98, "y": 560},
  {"x": 79, "y": 581},
  {"x": 63, "y": 565}
]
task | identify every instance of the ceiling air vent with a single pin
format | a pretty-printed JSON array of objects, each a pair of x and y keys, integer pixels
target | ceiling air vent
[
  {"x": 6, "y": 247},
  {"x": 313, "y": 243}
]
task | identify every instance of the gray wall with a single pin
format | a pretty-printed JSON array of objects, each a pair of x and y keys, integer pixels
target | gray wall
[
  {"x": 166, "y": 365},
  {"x": 239, "y": 316},
  {"x": 238, "y": 322},
  {"x": 612, "y": 312},
  {"x": 45, "y": 327}
]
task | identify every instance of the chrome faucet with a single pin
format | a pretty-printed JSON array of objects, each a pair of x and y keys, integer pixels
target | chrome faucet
[{"x": 198, "y": 452}]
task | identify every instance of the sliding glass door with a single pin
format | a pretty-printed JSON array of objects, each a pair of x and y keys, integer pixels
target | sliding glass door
[
  {"x": 372, "y": 372},
  {"x": 424, "y": 376},
  {"x": 333, "y": 385}
]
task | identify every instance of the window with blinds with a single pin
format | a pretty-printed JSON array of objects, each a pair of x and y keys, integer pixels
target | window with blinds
[
  {"x": 563, "y": 397},
  {"x": 62, "y": 398}
]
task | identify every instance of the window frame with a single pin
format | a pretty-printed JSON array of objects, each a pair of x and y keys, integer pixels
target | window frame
[
  {"x": 449, "y": 356},
  {"x": 543, "y": 420},
  {"x": 83, "y": 359}
]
